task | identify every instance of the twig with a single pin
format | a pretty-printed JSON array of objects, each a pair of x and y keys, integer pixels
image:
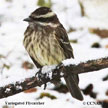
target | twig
[{"x": 89, "y": 66}]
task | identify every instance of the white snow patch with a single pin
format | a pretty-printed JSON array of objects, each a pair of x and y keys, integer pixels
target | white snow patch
[
  {"x": 70, "y": 61},
  {"x": 48, "y": 69},
  {"x": 18, "y": 87},
  {"x": 7, "y": 90}
]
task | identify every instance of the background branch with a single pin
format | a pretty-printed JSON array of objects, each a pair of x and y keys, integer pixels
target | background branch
[{"x": 83, "y": 67}]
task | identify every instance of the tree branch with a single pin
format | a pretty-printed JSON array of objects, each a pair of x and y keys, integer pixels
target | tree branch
[{"x": 56, "y": 73}]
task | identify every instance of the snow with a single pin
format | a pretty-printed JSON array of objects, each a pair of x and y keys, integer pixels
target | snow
[
  {"x": 70, "y": 61},
  {"x": 96, "y": 9},
  {"x": 18, "y": 87},
  {"x": 16, "y": 75},
  {"x": 7, "y": 90},
  {"x": 12, "y": 27},
  {"x": 48, "y": 69}
]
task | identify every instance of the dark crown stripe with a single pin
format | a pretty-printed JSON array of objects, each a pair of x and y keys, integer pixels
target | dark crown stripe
[{"x": 42, "y": 19}]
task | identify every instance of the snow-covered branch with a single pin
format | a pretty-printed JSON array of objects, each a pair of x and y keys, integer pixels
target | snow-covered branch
[{"x": 53, "y": 74}]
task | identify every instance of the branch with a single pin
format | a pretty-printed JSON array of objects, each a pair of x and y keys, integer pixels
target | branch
[{"x": 56, "y": 73}]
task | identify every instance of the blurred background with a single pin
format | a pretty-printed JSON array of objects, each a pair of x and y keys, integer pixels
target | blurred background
[{"x": 86, "y": 22}]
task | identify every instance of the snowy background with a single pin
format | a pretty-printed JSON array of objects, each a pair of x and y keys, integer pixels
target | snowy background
[{"x": 14, "y": 60}]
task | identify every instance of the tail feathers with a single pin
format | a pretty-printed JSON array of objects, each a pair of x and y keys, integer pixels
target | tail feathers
[{"x": 72, "y": 84}]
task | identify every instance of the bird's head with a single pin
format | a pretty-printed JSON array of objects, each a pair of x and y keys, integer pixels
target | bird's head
[{"x": 43, "y": 16}]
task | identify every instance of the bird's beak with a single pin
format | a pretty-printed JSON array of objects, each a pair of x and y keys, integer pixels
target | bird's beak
[{"x": 28, "y": 19}]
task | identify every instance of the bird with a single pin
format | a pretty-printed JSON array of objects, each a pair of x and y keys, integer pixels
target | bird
[{"x": 47, "y": 43}]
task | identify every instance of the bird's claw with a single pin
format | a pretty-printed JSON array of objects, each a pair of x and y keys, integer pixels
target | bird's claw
[{"x": 38, "y": 74}]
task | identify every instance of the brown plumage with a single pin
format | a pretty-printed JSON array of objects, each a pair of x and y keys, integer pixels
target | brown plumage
[{"x": 47, "y": 43}]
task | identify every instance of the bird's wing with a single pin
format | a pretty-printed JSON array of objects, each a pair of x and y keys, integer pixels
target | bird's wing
[
  {"x": 71, "y": 79},
  {"x": 36, "y": 63},
  {"x": 63, "y": 40}
]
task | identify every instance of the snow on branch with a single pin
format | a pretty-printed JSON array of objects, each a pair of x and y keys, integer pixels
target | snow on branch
[{"x": 53, "y": 74}]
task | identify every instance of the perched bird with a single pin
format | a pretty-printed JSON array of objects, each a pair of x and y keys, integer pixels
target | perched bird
[{"x": 47, "y": 43}]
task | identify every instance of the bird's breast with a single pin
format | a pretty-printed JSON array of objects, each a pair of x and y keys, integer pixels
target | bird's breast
[
  {"x": 47, "y": 49},
  {"x": 44, "y": 47}
]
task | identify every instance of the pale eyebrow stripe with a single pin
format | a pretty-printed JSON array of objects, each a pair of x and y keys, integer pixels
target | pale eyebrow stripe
[{"x": 50, "y": 14}]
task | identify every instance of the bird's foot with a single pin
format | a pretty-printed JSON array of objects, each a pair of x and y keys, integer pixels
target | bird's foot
[
  {"x": 41, "y": 77},
  {"x": 38, "y": 74}
]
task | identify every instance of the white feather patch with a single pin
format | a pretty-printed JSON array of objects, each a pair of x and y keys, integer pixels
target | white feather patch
[{"x": 50, "y": 14}]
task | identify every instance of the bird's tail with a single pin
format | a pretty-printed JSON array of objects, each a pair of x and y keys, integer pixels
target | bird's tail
[{"x": 72, "y": 84}]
